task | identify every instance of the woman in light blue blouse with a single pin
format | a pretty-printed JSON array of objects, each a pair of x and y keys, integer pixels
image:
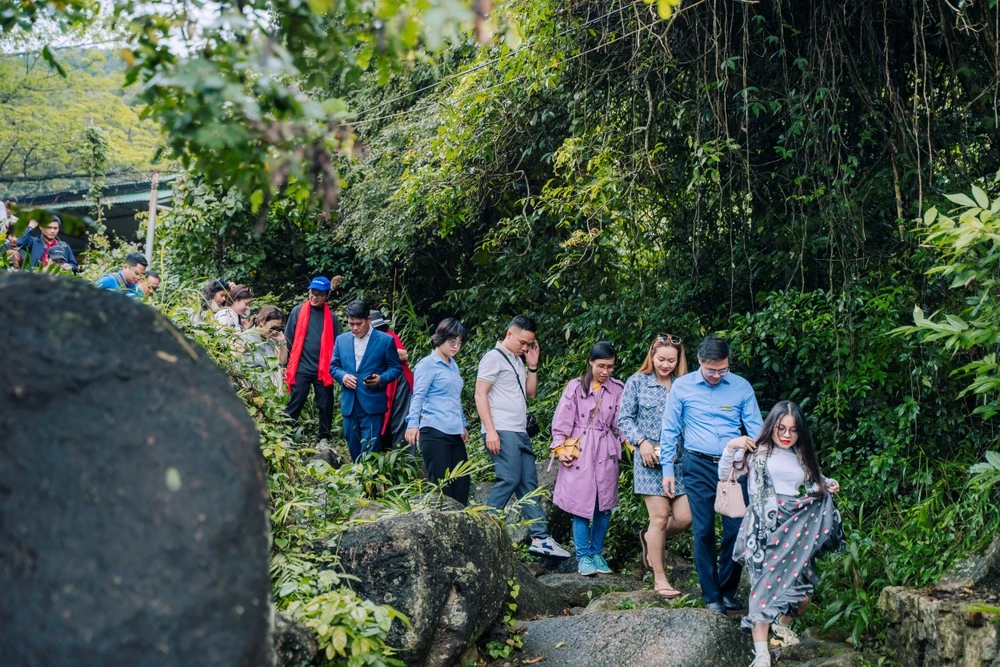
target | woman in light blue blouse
[
  {"x": 640, "y": 417},
  {"x": 436, "y": 420}
]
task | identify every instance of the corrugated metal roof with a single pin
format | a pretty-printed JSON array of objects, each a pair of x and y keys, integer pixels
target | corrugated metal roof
[
  {"x": 116, "y": 193},
  {"x": 161, "y": 194}
]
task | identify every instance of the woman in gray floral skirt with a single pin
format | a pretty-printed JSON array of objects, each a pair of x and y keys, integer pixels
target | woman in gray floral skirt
[
  {"x": 784, "y": 530},
  {"x": 640, "y": 417}
]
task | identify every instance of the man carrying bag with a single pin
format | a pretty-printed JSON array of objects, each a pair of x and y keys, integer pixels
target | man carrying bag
[{"x": 503, "y": 386}]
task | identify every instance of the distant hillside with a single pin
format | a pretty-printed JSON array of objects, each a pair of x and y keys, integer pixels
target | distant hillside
[{"x": 43, "y": 119}]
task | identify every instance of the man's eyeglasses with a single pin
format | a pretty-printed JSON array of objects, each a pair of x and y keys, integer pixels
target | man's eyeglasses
[
  {"x": 715, "y": 373},
  {"x": 668, "y": 338}
]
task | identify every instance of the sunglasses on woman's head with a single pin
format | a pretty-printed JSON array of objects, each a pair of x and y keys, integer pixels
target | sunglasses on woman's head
[{"x": 668, "y": 338}]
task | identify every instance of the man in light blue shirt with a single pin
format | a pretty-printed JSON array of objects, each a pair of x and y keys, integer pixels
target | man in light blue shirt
[{"x": 712, "y": 407}]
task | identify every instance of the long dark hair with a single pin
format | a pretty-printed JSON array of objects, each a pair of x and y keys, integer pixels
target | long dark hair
[
  {"x": 601, "y": 350},
  {"x": 803, "y": 447},
  {"x": 210, "y": 289}
]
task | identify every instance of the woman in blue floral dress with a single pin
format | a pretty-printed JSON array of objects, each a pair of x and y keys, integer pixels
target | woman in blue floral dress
[{"x": 640, "y": 417}]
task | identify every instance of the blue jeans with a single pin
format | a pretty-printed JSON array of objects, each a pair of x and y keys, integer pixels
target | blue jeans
[
  {"x": 701, "y": 478},
  {"x": 517, "y": 476},
  {"x": 588, "y": 536},
  {"x": 362, "y": 433}
]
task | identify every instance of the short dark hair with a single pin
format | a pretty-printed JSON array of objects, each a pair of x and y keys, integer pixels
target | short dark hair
[
  {"x": 713, "y": 348},
  {"x": 135, "y": 259},
  {"x": 358, "y": 309},
  {"x": 152, "y": 274},
  {"x": 524, "y": 323},
  {"x": 447, "y": 329}
]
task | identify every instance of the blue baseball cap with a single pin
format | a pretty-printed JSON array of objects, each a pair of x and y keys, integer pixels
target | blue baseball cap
[{"x": 320, "y": 283}]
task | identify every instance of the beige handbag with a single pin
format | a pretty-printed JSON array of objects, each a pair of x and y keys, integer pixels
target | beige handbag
[{"x": 729, "y": 497}]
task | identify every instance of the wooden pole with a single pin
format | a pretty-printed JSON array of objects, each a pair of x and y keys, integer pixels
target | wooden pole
[{"x": 152, "y": 216}]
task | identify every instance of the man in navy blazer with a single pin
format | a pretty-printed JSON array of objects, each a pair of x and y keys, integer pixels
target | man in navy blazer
[{"x": 365, "y": 361}]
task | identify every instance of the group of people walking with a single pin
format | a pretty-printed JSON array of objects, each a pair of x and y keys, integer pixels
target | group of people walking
[{"x": 688, "y": 431}]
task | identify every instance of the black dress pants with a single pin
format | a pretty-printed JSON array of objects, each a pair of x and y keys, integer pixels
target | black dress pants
[
  {"x": 323, "y": 396},
  {"x": 444, "y": 451}
]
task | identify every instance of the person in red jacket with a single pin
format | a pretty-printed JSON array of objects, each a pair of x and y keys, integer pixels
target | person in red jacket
[
  {"x": 311, "y": 330},
  {"x": 398, "y": 392}
]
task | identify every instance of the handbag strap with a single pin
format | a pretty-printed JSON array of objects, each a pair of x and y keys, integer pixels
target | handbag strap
[
  {"x": 593, "y": 413},
  {"x": 517, "y": 378}
]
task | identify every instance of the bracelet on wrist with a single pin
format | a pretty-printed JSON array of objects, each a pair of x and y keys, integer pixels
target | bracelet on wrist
[{"x": 532, "y": 370}]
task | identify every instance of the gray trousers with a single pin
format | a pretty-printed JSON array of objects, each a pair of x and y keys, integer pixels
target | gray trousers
[{"x": 517, "y": 476}]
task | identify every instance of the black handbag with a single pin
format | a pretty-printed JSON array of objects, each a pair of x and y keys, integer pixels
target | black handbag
[{"x": 531, "y": 423}]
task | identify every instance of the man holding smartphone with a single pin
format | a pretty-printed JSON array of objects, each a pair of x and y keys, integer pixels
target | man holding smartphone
[{"x": 365, "y": 361}]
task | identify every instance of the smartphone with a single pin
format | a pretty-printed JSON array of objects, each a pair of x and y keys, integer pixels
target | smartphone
[{"x": 370, "y": 378}]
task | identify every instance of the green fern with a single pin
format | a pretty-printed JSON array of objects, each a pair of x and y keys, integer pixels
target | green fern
[{"x": 985, "y": 475}]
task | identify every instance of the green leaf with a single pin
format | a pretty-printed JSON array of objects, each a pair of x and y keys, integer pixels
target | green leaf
[
  {"x": 51, "y": 60},
  {"x": 256, "y": 199},
  {"x": 960, "y": 199},
  {"x": 981, "y": 199}
]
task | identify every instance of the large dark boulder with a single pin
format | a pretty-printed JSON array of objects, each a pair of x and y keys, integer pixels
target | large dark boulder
[
  {"x": 663, "y": 637},
  {"x": 537, "y": 600},
  {"x": 133, "y": 515},
  {"x": 581, "y": 590},
  {"x": 448, "y": 571},
  {"x": 952, "y": 624}
]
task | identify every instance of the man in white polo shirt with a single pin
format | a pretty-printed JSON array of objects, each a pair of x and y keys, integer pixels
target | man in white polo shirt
[{"x": 503, "y": 387}]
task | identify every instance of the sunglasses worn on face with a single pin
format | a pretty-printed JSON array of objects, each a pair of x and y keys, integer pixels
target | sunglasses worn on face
[{"x": 668, "y": 338}]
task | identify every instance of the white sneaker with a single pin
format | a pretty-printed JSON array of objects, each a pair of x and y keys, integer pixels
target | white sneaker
[
  {"x": 762, "y": 659},
  {"x": 784, "y": 634},
  {"x": 324, "y": 444},
  {"x": 547, "y": 547}
]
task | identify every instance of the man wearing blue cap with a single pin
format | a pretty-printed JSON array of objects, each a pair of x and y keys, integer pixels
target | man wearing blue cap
[{"x": 312, "y": 329}]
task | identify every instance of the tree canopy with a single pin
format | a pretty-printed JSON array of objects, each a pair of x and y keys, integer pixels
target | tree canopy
[{"x": 44, "y": 119}]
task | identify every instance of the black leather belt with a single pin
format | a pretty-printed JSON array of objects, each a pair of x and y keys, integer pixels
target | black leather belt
[{"x": 700, "y": 455}]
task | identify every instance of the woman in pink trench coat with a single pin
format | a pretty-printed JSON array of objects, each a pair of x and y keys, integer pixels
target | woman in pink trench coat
[{"x": 587, "y": 487}]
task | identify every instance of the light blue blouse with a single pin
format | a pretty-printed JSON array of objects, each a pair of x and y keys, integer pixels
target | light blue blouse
[{"x": 437, "y": 396}]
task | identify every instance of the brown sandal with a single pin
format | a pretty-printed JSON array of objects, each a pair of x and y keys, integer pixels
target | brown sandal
[
  {"x": 645, "y": 550},
  {"x": 667, "y": 593}
]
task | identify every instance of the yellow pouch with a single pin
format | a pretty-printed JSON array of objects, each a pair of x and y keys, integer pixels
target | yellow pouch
[{"x": 570, "y": 446}]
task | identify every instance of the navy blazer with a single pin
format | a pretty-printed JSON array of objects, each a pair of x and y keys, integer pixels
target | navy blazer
[
  {"x": 33, "y": 243},
  {"x": 381, "y": 357}
]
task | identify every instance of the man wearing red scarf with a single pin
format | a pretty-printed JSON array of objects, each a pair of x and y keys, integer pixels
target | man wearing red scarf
[{"x": 312, "y": 328}]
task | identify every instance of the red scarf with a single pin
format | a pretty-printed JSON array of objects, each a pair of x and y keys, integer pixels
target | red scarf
[
  {"x": 325, "y": 346},
  {"x": 44, "y": 261}
]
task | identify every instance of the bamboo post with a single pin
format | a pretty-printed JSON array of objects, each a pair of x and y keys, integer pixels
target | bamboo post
[{"x": 152, "y": 216}]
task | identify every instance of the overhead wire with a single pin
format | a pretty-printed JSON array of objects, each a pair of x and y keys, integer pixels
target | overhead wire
[
  {"x": 479, "y": 66},
  {"x": 405, "y": 112}
]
